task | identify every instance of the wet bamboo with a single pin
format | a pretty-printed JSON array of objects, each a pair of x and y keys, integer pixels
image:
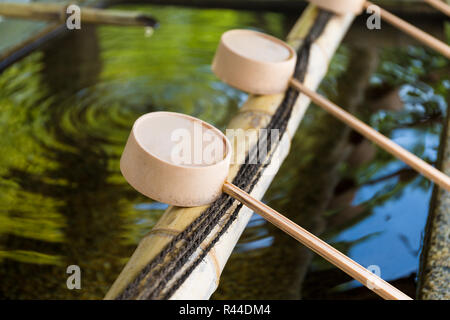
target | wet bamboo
[
  {"x": 440, "y": 5},
  {"x": 58, "y": 12},
  {"x": 413, "y": 31},
  {"x": 253, "y": 115},
  {"x": 353, "y": 269}
]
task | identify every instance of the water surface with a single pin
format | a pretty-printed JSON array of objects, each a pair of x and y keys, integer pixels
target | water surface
[{"x": 66, "y": 112}]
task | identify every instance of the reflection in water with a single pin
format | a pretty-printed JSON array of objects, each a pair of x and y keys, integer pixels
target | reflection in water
[{"x": 66, "y": 112}]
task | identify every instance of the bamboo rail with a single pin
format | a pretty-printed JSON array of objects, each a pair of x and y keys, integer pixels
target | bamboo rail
[
  {"x": 255, "y": 114},
  {"x": 58, "y": 12}
]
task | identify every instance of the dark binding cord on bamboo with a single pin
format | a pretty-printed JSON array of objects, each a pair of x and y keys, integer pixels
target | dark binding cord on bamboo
[{"x": 156, "y": 279}]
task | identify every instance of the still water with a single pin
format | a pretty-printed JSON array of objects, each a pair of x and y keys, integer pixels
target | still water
[{"x": 66, "y": 112}]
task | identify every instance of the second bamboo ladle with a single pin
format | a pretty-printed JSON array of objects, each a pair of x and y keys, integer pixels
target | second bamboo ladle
[
  {"x": 240, "y": 63},
  {"x": 181, "y": 160}
]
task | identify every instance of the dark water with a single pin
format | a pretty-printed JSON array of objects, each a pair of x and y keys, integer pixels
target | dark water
[{"x": 66, "y": 111}]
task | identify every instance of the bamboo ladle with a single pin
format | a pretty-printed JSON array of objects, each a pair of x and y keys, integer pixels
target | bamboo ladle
[
  {"x": 239, "y": 62},
  {"x": 149, "y": 164}
]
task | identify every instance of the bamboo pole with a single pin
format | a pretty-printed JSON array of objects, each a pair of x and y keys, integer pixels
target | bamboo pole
[
  {"x": 440, "y": 5},
  {"x": 387, "y": 144},
  {"x": 353, "y": 269},
  {"x": 413, "y": 31},
  {"x": 58, "y": 12},
  {"x": 254, "y": 114}
]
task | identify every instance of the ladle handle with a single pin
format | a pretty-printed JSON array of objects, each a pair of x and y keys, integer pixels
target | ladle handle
[
  {"x": 413, "y": 31},
  {"x": 387, "y": 144},
  {"x": 353, "y": 269},
  {"x": 440, "y": 5}
]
